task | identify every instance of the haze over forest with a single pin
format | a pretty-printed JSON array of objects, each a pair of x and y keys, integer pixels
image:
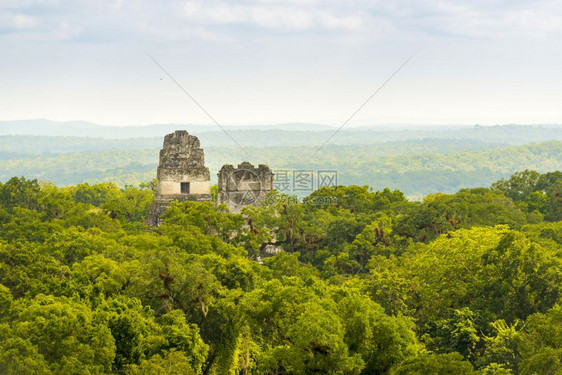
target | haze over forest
[{"x": 415, "y": 159}]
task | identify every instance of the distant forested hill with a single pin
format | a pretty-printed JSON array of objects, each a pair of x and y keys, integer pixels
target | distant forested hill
[
  {"x": 287, "y": 134},
  {"x": 416, "y": 167}
]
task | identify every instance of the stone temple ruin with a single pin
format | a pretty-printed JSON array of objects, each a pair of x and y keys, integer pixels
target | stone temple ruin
[
  {"x": 182, "y": 176},
  {"x": 243, "y": 186}
]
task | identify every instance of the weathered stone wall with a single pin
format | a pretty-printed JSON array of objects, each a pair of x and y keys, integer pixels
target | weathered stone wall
[
  {"x": 173, "y": 187},
  {"x": 181, "y": 160},
  {"x": 244, "y": 186}
]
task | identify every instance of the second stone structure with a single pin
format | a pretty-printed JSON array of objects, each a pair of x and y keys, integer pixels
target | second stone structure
[{"x": 244, "y": 186}]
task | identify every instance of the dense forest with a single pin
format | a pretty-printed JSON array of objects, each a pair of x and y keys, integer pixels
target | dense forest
[
  {"x": 362, "y": 282},
  {"x": 416, "y": 167}
]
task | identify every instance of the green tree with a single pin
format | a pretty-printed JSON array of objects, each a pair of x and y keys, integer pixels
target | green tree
[
  {"x": 441, "y": 213},
  {"x": 299, "y": 332},
  {"x": 381, "y": 340},
  {"x": 541, "y": 343},
  {"x": 435, "y": 364},
  {"x": 66, "y": 334},
  {"x": 171, "y": 363},
  {"x": 458, "y": 333},
  {"x": 519, "y": 186},
  {"x": 18, "y": 356}
]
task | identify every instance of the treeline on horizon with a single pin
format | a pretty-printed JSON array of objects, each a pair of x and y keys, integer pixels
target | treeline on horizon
[
  {"x": 369, "y": 283},
  {"x": 416, "y": 167}
]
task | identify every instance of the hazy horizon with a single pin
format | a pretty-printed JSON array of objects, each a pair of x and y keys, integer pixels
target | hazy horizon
[{"x": 273, "y": 124}]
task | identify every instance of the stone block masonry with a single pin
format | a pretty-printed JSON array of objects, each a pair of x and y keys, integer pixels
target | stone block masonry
[
  {"x": 244, "y": 186},
  {"x": 182, "y": 176}
]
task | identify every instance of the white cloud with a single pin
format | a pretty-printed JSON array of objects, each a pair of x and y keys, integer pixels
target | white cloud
[
  {"x": 17, "y": 22},
  {"x": 68, "y": 30},
  {"x": 188, "y": 18},
  {"x": 480, "y": 18},
  {"x": 268, "y": 15}
]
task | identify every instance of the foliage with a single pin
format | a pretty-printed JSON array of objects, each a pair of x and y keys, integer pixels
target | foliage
[
  {"x": 418, "y": 162},
  {"x": 365, "y": 282}
]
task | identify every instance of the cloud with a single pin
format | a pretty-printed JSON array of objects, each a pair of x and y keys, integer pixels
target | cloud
[
  {"x": 226, "y": 20},
  {"x": 478, "y": 18},
  {"x": 268, "y": 15},
  {"x": 17, "y": 22}
]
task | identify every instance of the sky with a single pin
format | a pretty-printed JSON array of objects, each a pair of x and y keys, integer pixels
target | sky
[{"x": 269, "y": 62}]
